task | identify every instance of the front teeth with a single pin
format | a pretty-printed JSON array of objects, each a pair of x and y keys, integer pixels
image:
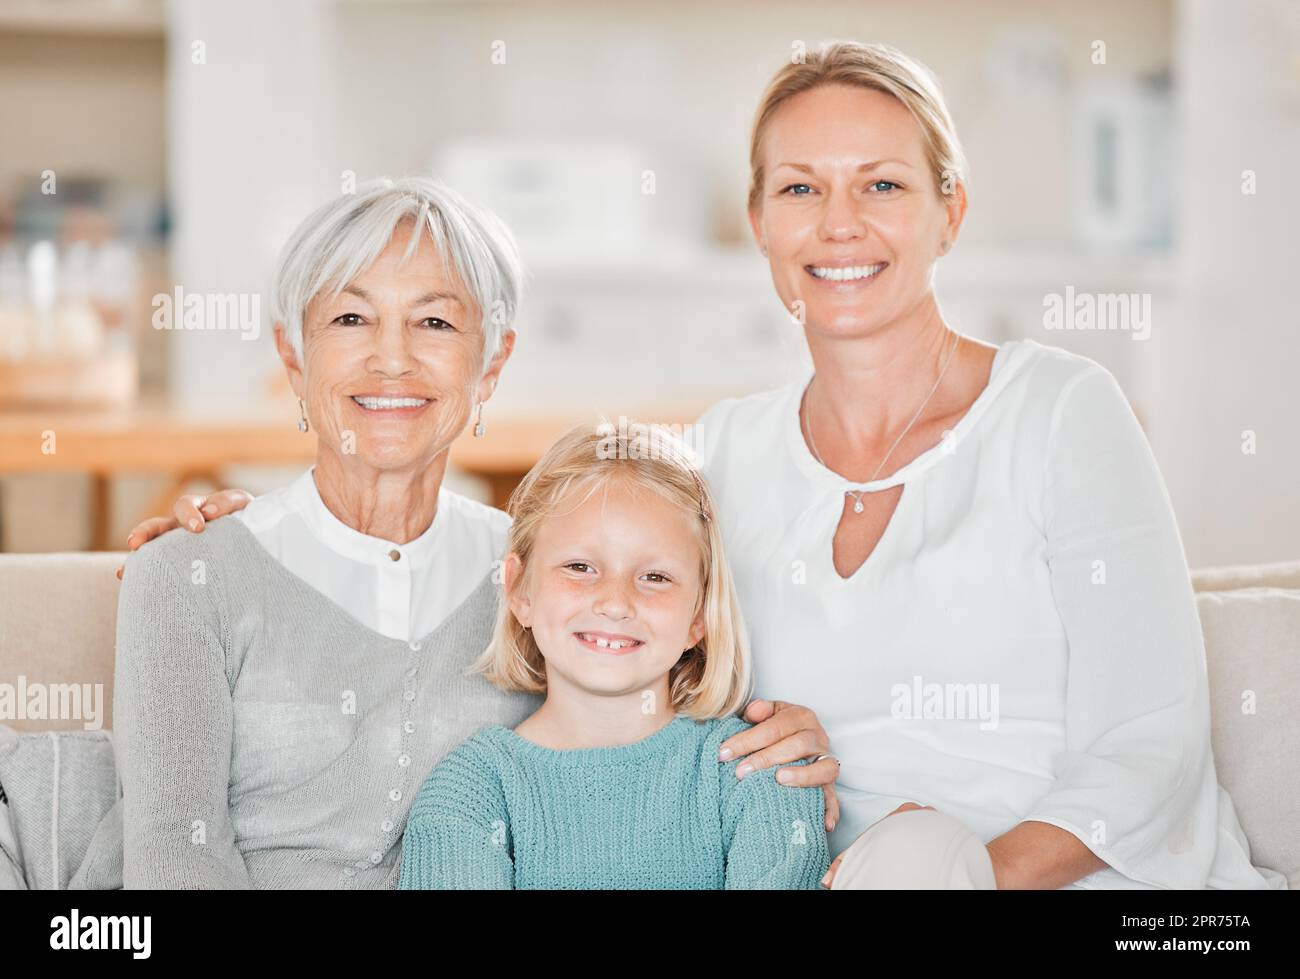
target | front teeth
[
  {"x": 379, "y": 404},
  {"x": 606, "y": 643},
  {"x": 846, "y": 274}
]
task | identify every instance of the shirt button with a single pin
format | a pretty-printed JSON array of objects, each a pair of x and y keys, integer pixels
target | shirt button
[
  {"x": 409, "y": 695},
  {"x": 376, "y": 857},
  {"x": 386, "y": 825},
  {"x": 394, "y": 555},
  {"x": 408, "y": 727},
  {"x": 395, "y": 795},
  {"x": 415, "y": 647},
  {"x": 403, "y": 760}
]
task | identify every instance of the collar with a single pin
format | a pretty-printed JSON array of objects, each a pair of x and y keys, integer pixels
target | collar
[{"x": 304, "y": 498}]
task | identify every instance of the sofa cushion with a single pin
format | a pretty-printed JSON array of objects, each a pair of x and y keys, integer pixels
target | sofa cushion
[
  {"x": 1253, "y": 662},
  {"x": 1284, "y": 574},
  {"x": 58, "y": 616},
  {"x": 60, "y": 785}
]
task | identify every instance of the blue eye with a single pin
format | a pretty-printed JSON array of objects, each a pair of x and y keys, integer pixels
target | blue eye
[
  {"x": 889, "y": 182},
  {"x": 793, "y": 186}
]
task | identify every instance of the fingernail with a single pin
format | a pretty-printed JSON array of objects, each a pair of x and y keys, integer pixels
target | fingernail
[
  {"x": 783, "y": 776},
  {"x": 209, "y": 509},
  {"x": 744, "y": 770},
  {"x": 193, "y": 524},
  {"x": 826, "y": 878},
  {"x": 724, "y": 754}
]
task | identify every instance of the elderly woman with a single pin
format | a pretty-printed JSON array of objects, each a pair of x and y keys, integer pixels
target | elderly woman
[{"x": 287, "y": 679}]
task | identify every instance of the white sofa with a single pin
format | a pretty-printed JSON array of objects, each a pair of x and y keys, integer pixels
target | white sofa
[{"x": 58, "y": 612}]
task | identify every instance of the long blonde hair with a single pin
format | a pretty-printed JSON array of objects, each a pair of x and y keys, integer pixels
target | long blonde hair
[{"x": 713, "y": 678}]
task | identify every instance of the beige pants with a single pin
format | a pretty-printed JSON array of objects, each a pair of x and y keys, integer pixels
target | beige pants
[{"x": 921, "y": 849}]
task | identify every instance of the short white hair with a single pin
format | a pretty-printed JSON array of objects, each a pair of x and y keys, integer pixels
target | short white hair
[{"x": 341, "y": 239}]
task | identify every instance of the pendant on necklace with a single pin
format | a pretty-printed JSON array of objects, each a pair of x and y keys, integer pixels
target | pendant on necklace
[{"x": 857, "y": 505}]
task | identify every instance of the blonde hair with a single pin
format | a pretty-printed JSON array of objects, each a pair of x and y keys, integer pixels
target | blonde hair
[
  {"x": 712, "y": 679},
  {"x": 874, "y": 66}
]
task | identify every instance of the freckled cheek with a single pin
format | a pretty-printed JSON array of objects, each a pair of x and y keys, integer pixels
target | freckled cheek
[
  {"x": 666, "y": 613},
  {"x": 558, "y": 601}
]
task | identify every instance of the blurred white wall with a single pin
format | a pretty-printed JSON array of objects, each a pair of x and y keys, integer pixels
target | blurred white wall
[
  {"x": 1231, "y": 365},
  {"x": 251, "y": 120}
]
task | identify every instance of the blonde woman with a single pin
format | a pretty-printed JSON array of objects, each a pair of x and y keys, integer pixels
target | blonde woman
[
  {"x": 620, "y": 610},
  {"x": 961, "y": 556}
]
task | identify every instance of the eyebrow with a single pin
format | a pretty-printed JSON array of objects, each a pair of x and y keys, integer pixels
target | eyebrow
[
  {"x": 874, "y": 164},
  {"x": 428, "y": 297}
]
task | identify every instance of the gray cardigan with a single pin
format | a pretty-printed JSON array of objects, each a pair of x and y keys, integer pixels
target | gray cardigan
[{"x": 264, "y": 737}]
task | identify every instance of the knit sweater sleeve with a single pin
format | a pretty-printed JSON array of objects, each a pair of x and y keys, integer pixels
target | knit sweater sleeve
[
  {"x": 774, "y": 835},
  {"x": 458, "y": 832},
  {"x": 173, "y": 728}
]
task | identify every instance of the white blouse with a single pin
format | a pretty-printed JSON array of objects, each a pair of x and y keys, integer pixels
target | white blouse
[
  {"x": 1023, "y": 642},
  {"x": 403, "y": 591}
]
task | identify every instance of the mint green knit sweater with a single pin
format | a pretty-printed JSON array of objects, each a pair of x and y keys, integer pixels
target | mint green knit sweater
[{"x": 500, "y": 812}]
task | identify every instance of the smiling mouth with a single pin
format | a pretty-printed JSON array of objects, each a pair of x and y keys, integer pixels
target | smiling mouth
[
  {"x": 606, "y": 643},
  {"x": 375, "y": 403},
  {"x": 845, "y": 273}
]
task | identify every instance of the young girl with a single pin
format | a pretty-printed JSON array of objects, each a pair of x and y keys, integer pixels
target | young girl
[{"x": 619, "y": 606}]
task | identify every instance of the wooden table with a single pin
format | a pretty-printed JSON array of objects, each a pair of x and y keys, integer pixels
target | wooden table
[{"x": 157, "y": 440}]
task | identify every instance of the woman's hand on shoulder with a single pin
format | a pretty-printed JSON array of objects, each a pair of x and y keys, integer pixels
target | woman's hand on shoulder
[
  {"x": 190, "y": 511},
  {"x": 784, "y": 733}
]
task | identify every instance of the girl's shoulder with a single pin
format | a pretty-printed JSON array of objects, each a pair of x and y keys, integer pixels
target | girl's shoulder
[
  {"x": 712, "y": 735},
  {"x": 482, "y": 750},
  {"x": 718, "y": 730},
  {"x": 468, "y": 775}
]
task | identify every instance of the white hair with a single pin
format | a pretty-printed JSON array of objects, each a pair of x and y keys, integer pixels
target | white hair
[{"x": 338, "y": 241}]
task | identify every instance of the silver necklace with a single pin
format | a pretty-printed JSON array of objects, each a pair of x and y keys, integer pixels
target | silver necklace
[{"x": 857, "y": 497}]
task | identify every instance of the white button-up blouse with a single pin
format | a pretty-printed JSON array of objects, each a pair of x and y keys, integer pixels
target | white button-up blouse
[
  {"x": 402, "y": 591},
  {"x": 1023, "y": 642}
]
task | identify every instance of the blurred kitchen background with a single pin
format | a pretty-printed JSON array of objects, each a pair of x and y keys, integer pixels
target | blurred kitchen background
[{"x": 150, "y": 145}]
